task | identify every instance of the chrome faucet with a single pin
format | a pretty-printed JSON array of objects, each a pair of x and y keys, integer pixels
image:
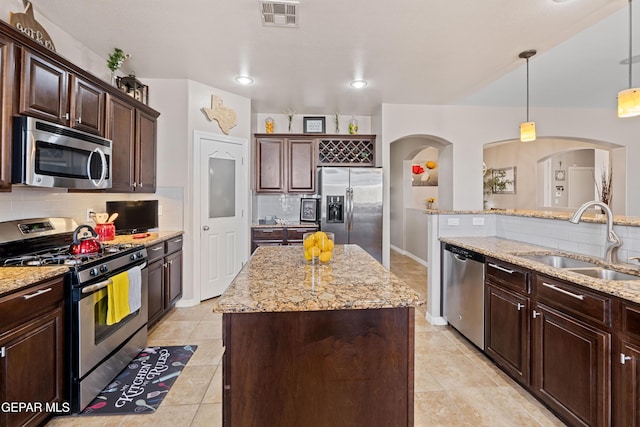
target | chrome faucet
[{"x": 613, "y": 240}]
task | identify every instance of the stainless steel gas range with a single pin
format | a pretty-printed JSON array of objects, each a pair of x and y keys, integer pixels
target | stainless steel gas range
[{"x": 96, "y": 351}]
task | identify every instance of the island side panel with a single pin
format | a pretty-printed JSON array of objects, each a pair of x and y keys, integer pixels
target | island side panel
[{"x": 342, "y": 367}]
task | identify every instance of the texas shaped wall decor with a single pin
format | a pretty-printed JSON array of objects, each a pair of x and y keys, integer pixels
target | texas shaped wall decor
[{"x": 225, "y": 116}]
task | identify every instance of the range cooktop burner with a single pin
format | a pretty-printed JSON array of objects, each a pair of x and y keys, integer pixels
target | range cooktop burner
[{"x": 62, "y": 256}]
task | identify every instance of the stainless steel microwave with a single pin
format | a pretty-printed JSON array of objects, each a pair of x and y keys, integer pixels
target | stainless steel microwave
[{"x": 50, "y": 155}]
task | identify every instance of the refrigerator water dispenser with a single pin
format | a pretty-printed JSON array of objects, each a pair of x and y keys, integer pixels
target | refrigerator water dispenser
[{"x": 335, "y": 209}]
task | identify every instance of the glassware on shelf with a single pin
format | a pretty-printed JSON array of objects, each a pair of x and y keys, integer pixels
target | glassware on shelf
[
  {"x": 353, "y": 126},
  {"x": 268, "y": 125}
]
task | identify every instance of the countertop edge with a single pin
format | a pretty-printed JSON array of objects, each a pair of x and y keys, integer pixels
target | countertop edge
[{"x": 628, "y": 290}]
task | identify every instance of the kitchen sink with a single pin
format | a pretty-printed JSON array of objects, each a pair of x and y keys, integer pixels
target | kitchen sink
[
  {"x": 605, "y": 273},
  {"x": 559, "y": 261}
]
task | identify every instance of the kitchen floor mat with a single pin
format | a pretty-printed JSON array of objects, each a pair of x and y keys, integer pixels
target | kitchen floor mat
[{"x": 142, "y": 385}]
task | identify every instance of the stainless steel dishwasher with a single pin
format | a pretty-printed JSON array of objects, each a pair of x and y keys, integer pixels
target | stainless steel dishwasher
[{"x": 463, "y": 291}]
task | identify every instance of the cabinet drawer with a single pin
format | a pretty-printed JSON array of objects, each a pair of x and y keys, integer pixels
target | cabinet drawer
[
  {"x": 574, "y": 299},
  {"x": 631, "y": 320},
  {"x": 295, "y": 234},
  {"x": 155, "y": 251},
  {"x": 508, "y": 275},
  {"x": 29, "y": 302},
  {"x": 173, "y": 245},
  {"x": 268, "y": 234}
]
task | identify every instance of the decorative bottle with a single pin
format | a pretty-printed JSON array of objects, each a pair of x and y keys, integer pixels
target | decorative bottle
[{"x": 353, "y": 126}]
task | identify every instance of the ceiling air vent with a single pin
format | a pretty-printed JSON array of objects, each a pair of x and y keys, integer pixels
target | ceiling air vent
[{"x": 279, "y": 13}]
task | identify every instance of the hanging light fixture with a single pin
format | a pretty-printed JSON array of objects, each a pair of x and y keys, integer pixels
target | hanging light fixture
[
  {"x": 527, "y": 129},
  {"x": 629, "y": 99}
]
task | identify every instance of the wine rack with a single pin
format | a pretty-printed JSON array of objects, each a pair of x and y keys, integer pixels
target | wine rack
[{"x": 347, "y": 151}]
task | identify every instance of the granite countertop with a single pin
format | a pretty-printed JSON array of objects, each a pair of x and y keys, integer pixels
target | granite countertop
[
  {"x": 152, "y": 238},
  {"x": 509, "y": 251},
  {"x": 560, "y": 215},
  {"x": 278, "y": 279},
  {"x": 288, "y": 225},
  {"x": 14, "y": 278}
]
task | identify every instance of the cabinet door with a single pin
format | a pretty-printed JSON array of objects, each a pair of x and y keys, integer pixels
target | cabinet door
[
  {"x": 87, "y": 106},
  {"x": 32, "y": 367},
  {"x": 629, "y": 400},
  {"x": 120, "y": 128},
  {"x": 156, "y": 290},
  {"x": 173, "y": 278},
  {"x": 507, "y": 331},
  {"x": 44, "y": 89},
  {"x": 301, "y": 159},
  {"x": 6, "y": 101},
  {"x": 571, "y": 369},
  {"x": 145, "y": 153},
  {"x": 270, "y": 168}
]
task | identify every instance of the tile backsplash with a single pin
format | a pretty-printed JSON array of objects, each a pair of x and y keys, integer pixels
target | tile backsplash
[
  {"x": 285, "y": 206},
  {"x": 30, "y": 202}
]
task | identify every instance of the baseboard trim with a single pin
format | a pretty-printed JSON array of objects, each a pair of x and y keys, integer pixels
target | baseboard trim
[
  {"x": 409, "y": 254},
  {"x": 439, "y": 320},
  {"x": 187, "y": 303}
]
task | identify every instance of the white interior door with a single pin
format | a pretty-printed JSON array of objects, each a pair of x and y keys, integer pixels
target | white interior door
[
  {"x": 581, "y": 185},
  {"x": 222, "y": 205}
]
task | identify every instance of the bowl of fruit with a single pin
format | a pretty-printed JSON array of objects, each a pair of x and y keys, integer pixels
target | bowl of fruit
[{"x": 318, "y": 247}]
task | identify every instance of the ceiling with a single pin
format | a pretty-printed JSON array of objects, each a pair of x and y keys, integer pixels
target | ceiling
[{"x": 409, "y": 51}]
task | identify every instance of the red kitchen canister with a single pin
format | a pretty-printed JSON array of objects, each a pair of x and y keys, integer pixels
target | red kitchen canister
[{"x": 106, "y": 231}]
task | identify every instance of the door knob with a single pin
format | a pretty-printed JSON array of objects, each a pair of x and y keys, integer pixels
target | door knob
[{"x": 205, "y": 228}]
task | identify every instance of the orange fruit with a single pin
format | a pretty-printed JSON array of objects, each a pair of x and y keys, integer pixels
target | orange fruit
[{"x": 431, "y": 164}]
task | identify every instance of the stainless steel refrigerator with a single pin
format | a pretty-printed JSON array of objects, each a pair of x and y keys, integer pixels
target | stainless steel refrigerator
[{"x": 351, "y": 206}]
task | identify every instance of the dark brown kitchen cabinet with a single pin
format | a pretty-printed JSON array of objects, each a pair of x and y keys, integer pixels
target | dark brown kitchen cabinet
[
  {"x": 32, "y": 352},
  {"x": 133, "y": 133},
  {"x": 50, "y": 92},
  {"x": 507, "y": 318},
  {"x": 285, "y": 164},
  {"x": 626, "y": 364},
  {"x": 571, "y": 351},
  {"x": 274, "y": 236},
  {"x": 165, "y": 277},
  {"x": 7, "y": 66}
]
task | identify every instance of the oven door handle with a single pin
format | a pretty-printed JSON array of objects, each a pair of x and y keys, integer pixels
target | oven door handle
[{"x": 103, "y": 284}]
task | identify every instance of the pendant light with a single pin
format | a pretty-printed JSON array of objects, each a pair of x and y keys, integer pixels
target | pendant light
[
  {"x": 527, "y": 129},
  {"x": 629, "y": 99}
]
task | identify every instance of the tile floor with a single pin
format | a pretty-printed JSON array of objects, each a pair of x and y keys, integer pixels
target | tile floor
[{"x": 455, "y": 384}]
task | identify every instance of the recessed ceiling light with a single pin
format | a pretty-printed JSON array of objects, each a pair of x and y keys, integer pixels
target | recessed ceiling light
[
  {"x": 358, "y": 84},
  {"x": 244, "y": 80}
]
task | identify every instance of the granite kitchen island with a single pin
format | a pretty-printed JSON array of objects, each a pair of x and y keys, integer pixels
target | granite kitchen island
[{"x": 312, "y": 345}]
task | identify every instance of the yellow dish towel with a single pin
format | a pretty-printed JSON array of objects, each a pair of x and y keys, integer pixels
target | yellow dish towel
[{"x": 118, "y": 299}]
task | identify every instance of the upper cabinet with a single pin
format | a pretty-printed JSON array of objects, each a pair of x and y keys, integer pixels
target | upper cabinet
[
  {"x": 50, "y": 92},
  {"x": 133, "y": 133},
  {"x": 37, "y": 82},
  {"x": 285, "y": 164},
  {"x": 6, "y": 99}
]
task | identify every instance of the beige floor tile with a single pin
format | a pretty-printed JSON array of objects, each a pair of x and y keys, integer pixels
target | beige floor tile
[
  {"x": 455, "y": 371},
  {"x": 174, "y": 329},
  {"x": 208, "y": 415},
  {"x": 88, "y": 421},
  {"x": 434, "y": 342},
  {"x": 207, "y": 329},
  {"x": 435, "y": 408},
  {"x": 214, "y": 392},
  {"x": 190, "y": 386},
  {"x": 209, "y": 352}
]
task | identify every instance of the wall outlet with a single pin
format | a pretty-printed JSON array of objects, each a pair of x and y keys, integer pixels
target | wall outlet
[
  {"x": 453, "y": 221},
  {"x": 90, "y": 211},
  {"x": 159, "y": 210},
  {"x": 478, "y": 221}
]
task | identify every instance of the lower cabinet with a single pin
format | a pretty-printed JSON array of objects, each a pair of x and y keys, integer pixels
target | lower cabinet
[
  {"x": 556, "y": 340},
  {"x": 165, "y": 277},
  {"x": 626, "y": 364},
  {"x": 571, "y": 367},
  {"x": 274, "y": 236},
  {"x": 32, "y": 353}
]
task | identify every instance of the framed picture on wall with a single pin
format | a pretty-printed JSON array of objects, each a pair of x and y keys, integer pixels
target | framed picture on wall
[
  {"x": 504, "y": 180},
  {"x": 308, "y": 210}
]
